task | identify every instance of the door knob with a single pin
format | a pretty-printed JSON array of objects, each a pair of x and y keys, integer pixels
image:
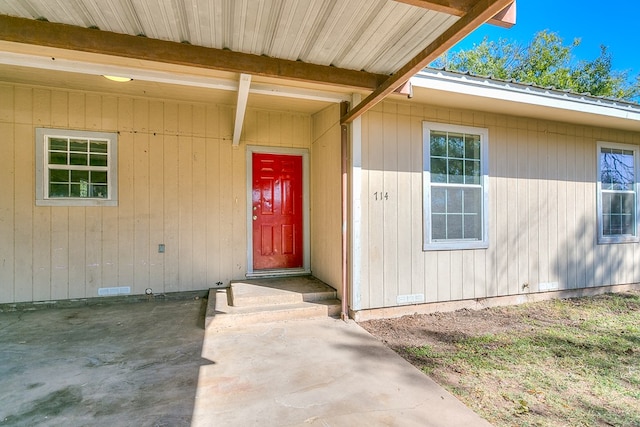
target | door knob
[{"x": 255, "y": 217}]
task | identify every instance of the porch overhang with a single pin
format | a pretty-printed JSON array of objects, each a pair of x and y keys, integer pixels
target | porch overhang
[
  {"x": 74, "y": 38},
  {"x": 359, "y": 45},
  {"x": 479, "y": 13}
]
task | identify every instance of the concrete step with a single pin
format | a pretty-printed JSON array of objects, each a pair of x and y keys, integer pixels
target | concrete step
[
  {"x": 270, "y": 292},
  {"x": 222, "y": 315}
]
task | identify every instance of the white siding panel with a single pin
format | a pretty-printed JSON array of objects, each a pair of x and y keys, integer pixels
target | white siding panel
[
  {"x": 388, "y": 200},
  {"x": 42, "y": 107},
  {"x": 501, "y": 244},
  {"x": 533, "y": 206},
  {"x": 199, "y": 211},
  {"x": 180, "y": 184},
  {"x": 141, "y": 199},
  {"x": 491, "y": 271},
  {"x": 405, "y": 202},
  {"x": 126, "y": 205},
  {"x": 239, "y": 211},
  {"x": 524, "y": 212},
  {"x": 76, "y": 257},
  {"x": 542, "y": 212},
  {"x": 7, "y": 210},
  {"x": 23, "y": 213},
  {"x": 417, "y": 257},
  {"x": 431, "y": 276},
  {"x": 560, "y": 253},
  {"x": 171, "y": 214},
  {"x": 365, "y": 254},
  {"x": 212, "y": 195},
  {"x": 226, "y": 198},
  {"x": 326, "y": 187},
  {"x": 374, "y": 226},
  {"x": 468, "y": 275},
  {"x": 156, "y": 205},
  {"x": 109, "y": 231},
  {"x": 511, "y": 213},
  {"x": 456, "y": 272},
  {"x": 443, "y": 275}
]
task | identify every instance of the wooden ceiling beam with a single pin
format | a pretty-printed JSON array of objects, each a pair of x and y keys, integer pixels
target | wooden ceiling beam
[
  {"x": 482, "y": 11},
  {"x": 452, "y": 7},
  {"x": 505, "y": 18},
  {"x": 62, "y": 36}
]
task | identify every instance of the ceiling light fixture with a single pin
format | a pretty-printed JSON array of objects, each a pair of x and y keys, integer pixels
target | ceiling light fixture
[{"x": 117, "y": 78}]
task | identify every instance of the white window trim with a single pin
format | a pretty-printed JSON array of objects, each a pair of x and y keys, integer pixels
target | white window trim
[
  {"x": 428, "y": 244},
  {"x": 602, "y": 239},
  {"x": 42, "y": 181}
]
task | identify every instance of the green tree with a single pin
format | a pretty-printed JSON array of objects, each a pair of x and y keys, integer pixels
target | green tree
[{"x": 546, "y": 61}]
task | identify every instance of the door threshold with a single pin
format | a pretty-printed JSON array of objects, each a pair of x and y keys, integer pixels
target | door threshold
[{"x": 278, "y": 273}]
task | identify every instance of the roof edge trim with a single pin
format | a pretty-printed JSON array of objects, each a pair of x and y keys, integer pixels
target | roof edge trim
[{"x": 524, "y": 94}]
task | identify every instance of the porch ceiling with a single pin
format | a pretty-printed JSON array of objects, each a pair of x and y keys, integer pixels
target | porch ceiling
[
  {"x": 158, "y": 90},
  {"x": 374, "y": 45},
  {"x": 375, "y": 36}
]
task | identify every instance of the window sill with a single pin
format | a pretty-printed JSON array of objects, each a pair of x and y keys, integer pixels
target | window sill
[
  {"x": 454, "y": 246},
  {"x": 616, "y": 240},
  {"x": 75, "y": 202}
]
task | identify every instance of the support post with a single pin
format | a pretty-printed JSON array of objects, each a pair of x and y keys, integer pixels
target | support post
[{"x": 344, "y": 146}]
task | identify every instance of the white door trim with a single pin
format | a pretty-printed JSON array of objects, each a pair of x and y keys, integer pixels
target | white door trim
[{"x": 306, "y": 229}]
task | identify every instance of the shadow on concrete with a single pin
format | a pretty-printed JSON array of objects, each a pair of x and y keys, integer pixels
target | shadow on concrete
[{"x": 102, "y": 365}]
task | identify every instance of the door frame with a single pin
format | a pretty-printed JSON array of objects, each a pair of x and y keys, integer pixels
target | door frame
[{"x": 306, "y": 228}]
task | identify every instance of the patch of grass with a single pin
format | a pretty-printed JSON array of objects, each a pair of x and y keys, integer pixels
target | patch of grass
[{"x": 577, "y": 364}]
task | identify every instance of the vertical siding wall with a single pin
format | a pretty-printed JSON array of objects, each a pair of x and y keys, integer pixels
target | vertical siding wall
[
  {"x": 542, "y": 211},
  {"x": 180, "y": 183},
  {"x": 326, "y": 258}
]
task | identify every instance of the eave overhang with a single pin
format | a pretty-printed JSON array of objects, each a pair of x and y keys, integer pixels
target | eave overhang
[
  {"x": 331, "y": 56},
  {"x": 438, "y": 87},
  {"x": 474, "y": 16}
]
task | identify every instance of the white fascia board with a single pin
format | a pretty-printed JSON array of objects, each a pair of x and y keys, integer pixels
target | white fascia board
[
  {"x": 61, "y": 64},
  {"x": 299, "y": 93},
  {"x": 522, "y": 94}
]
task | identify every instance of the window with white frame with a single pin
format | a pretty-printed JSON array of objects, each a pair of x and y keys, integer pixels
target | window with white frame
[
  {"x": 617, "y": 193},
  {"x": 455, "y": 181},
  {"x": 76, "y": 168}
]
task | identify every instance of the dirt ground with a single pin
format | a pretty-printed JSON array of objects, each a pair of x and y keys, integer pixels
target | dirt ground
[
  {"x": 442, "y": 331},
  {"x": 513, "y": 394}
]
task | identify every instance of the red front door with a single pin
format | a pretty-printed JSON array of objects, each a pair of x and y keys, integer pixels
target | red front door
[{"x": 277, "y": 211}]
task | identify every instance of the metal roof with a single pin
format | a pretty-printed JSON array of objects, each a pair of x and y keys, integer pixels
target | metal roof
[
  {"x": 530, "y": 88},
  {"x": 453, "y": 89},
  {"x": 377, "y": 36}
]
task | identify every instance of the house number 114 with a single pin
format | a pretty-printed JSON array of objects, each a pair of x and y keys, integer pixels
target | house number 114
[{"x": 381, "y": 195}]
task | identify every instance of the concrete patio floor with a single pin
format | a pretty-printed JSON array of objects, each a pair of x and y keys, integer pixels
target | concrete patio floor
[
  {"x": 152, "y": 364},
  {"x": 122, "y": 364}
]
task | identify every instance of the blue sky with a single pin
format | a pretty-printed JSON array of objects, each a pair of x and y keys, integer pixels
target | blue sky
[{"x": 617, "y": 27}]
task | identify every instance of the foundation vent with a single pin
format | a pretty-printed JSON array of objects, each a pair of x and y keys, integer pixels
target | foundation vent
[
  {"x": 548, "y": 286},
  {"x": 410, "y": 299},
  {"x": 121, "y": 290}
]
